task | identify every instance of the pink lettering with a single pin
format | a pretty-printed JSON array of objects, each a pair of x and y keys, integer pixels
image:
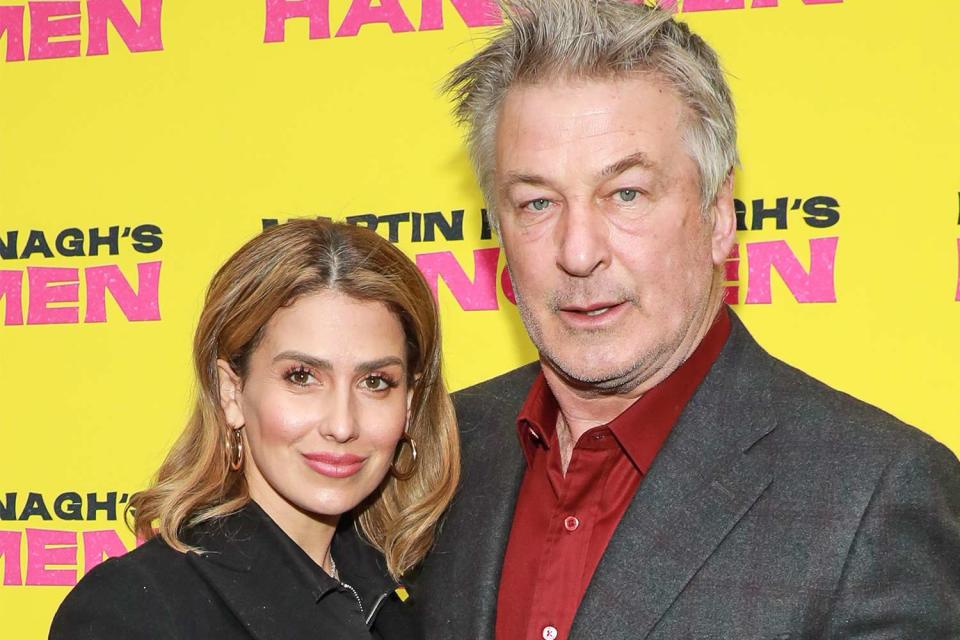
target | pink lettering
[
  {"x": 45, "y": 548},
  {"x": 42, "y": 294},
  {"x": 362, "y": 12},
  {"x": 478, "y": 295},
  {"x": 100, "y": 545},
  {"x": 507, "y": 285},
  {"x": 10, "y": 552},
  {"x": 279, "y": 11},
  {"x": 145, "y": 36},
  {"x": 773, "y": 3},
  {"x": 43, "y": 27},
  {"x": 711, "y": 5},
  {"x": 11, "y": 23},
  {"x": 11, "y": 290},
  {"x": 474, "y": 13},
  {"x": 817, "y": 285},
  {"x": 141, "y": 306}
]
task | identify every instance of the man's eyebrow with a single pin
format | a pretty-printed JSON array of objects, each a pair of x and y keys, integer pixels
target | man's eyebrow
[
  {"x": 513, "y": 178},
  {"x": 318, "y": 363},
  {"x": 638, "y": 159}
]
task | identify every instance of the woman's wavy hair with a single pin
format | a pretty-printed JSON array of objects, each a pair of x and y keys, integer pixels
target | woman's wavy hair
[{"x": 195, "y": 483}]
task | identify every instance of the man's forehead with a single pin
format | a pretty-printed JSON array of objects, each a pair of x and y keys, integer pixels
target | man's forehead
[{"x": 584, "y": 110}]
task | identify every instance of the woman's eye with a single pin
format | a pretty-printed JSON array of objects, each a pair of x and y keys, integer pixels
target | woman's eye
[
  {"x": 538, "y": 205},
  {"x": 375, "y": 383},
  {"x": 627, "y": 195},
  {"x": 299, "y": 377}
]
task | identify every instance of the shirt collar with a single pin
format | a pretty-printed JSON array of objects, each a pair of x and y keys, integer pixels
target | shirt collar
[{"x": 644, "y": 426}]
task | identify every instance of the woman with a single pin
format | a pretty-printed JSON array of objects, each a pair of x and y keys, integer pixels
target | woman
[{"x": 321, "y": 452}]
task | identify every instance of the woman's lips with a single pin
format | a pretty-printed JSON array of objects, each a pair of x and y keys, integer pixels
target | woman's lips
[{"x": 334, "y": 465}]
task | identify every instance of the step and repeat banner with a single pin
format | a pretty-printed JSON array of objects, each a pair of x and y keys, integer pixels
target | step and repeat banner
[{"x": 143, "y": 141}]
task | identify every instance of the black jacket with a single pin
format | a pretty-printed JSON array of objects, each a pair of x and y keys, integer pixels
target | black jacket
[{"x": 250, "y": 581}]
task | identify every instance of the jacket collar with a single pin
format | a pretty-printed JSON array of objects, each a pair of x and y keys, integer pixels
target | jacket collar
[
  {"x": 710, "y": 472},
  {"x": 269, "y": 583}
]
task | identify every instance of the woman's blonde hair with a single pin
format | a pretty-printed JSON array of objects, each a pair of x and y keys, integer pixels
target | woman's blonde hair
[{"x": 195, "y": 483}]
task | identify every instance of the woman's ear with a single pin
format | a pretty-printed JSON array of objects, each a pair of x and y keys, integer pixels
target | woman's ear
[{"x": 230, "y": 390}]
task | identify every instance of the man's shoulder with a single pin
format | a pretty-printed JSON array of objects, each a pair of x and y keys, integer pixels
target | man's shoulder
[
  {"x": 816, "y": 417},
  {"x": 506, "y": 390}
]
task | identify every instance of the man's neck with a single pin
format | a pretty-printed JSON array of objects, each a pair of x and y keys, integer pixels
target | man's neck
[{"x": 582, "y": 408}]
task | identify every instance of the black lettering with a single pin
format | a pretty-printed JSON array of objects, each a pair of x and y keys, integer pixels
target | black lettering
[
  {"x": 111, "y": 240},
  {"x": 821, "y": 212},
  {"x": 70, "y": 242},
  {"x": 394, "y": 220},
  {"x": 109, "y": 506},
  {"x": 761, "y": 213},
  {"x": 485, "y": 232},
  {"x": 35, "y": 506},
  {"x": 415, "y": 231},
  {"x": 68, "y": 506},
  {"x": 37, "y": 242},
  {"x": 366, "y": 219},
  {"x": 740, "y": 208},
  {"x": 8, "y": 249},
  {"x": 8, "y": 508},
  {"x": 146, "y": 238},
  {"x": 452, "y": 230}
]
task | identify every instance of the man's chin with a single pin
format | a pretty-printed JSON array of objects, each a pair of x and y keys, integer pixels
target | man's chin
[{"x": 586, "y": 371}]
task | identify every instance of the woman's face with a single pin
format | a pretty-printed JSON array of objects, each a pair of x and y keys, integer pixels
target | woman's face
[{"x": 324, "y": 403}]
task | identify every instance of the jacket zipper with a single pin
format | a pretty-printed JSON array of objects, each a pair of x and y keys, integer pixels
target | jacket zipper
[{"x": 355, "y": 595}]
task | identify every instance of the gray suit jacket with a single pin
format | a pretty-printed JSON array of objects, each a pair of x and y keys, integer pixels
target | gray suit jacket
[{"x": 778, "y": 508}]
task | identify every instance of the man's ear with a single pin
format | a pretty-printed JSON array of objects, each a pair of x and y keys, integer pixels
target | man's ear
[
  {"x": 724, "y": 233},
  {"x": 230, "y": 390}
]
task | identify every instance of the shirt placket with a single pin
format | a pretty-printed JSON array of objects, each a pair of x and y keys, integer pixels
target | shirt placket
[{"x": 567, "y": 539}]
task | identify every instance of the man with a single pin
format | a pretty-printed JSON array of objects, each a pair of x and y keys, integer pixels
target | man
[{"x": 671, "y": 479}]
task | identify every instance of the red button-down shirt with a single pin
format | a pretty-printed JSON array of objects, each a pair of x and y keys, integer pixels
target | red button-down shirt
[{"x": 562, "y": 523}]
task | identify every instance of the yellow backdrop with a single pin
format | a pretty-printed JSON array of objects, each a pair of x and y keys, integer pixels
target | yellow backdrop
[{"x": 142, "y": 141}]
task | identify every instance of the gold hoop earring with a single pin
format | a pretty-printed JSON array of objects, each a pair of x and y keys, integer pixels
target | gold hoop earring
[
  {"x": 235, "y": 450},
  {"x": 408, "y": 473}
]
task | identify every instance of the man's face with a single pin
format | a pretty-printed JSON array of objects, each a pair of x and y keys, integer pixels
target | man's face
[{"x": 599, "y": 207}]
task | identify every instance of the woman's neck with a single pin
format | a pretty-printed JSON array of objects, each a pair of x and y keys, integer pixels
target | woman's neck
[{"x": 311, "y": 532}]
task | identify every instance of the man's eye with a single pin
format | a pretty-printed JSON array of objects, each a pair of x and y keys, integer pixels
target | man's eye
[
  {"x": 627, "y": 195},
  {"x": 539, "y": 204}
]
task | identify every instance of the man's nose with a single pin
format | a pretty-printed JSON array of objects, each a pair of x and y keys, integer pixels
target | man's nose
[
  {"x": 339, "y": 421},
  {"x": 582, "y": 240}
]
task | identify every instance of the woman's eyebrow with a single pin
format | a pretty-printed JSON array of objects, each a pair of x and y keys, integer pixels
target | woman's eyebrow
[
  {"x": 319, "y": 363},
  {"x": 379, "y": 363},
  {"x": 305, "y": 358}
]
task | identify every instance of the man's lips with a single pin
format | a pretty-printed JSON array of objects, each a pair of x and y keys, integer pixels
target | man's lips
[
  {"x": 594, "y": 315},
  {"x": 334, "y": 465},
  {"x": 592, "y": 310}
]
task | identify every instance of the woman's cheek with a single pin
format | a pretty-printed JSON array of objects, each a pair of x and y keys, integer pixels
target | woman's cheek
[{"x": 286, "y": 419}]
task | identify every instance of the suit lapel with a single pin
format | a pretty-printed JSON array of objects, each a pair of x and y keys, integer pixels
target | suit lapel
[
  {"x": 701, "y": 484},
  {"x": 468, "y": 557},
  {"x": 254, "y": 579}
]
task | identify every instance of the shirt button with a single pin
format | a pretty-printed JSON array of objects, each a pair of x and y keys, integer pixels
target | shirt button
[
  {"x": 570, "y": 523},
  {"x": 549, "y": 633}
]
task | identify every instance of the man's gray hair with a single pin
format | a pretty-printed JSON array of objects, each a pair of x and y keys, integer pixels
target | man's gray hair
[{"x": 545, "y": 40}]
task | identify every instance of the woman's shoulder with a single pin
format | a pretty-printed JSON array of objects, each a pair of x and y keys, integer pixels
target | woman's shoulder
[{"x": 119, "y": 597}]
